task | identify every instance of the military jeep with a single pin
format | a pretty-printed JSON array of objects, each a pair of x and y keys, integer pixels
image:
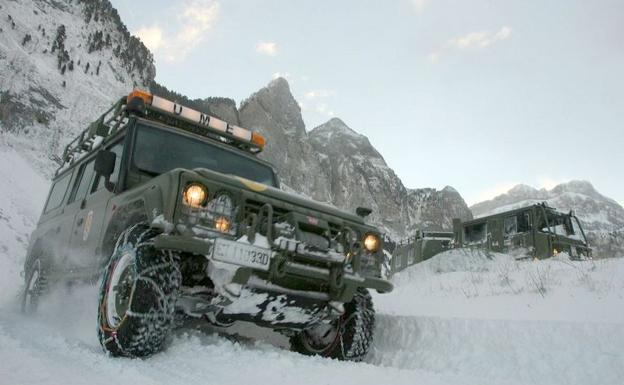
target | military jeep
[{"x": 175, "y": 215}]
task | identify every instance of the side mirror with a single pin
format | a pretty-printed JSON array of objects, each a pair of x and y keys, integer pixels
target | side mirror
[
  {"x": 363, "y": 211},
  {"x": 105, "y": 165}
]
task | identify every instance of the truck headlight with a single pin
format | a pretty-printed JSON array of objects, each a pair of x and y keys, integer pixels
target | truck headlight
[
  {"x": 371, "y": 242},
  {"x": 223, "y": 225},
  {"x": 195, "y": 195}
]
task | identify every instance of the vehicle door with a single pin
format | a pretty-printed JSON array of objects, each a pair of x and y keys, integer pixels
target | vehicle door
[
  {"x": 78, "y": 205},
  {"x": 54, "y": 229},
  {"x": 89, "y": 220}
]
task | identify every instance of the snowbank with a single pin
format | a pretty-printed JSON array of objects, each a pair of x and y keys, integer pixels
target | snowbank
[
  {"x": 474, "y": 284},
  {"x": 22, "y": 196}
]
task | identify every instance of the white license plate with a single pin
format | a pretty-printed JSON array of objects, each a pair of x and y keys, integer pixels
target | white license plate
[{"x": 241, "y": 254}]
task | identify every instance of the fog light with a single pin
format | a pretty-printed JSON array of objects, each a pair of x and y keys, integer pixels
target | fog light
[
  {"x": 222, "y": 224},
  {"x": 371, "y": 242},
  {"x": 195, "y": 195}
]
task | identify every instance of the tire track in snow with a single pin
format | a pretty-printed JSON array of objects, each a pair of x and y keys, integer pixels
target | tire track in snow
[{"x": 540, "y": 352}]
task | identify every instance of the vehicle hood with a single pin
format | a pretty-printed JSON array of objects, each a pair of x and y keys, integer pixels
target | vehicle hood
[{"x": 275, "y": 193}]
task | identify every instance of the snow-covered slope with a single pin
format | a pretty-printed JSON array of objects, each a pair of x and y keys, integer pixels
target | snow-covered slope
[
  {"x": 63, "y": 63},
  {"x": 602, "y": 217},
  {"x": 22, "y": 194}
]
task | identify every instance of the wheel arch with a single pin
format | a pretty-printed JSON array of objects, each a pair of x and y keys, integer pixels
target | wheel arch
[{"x": 124, "y": 216}]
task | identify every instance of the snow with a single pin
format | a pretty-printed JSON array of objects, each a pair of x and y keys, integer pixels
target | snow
[{"x": 459, "y": 318}]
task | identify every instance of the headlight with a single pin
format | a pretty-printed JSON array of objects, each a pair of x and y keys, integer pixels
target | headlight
[
  {"x": 371, "y": 242},
  {"x": 223, "y": 225},
  {"x": 195, "y": 195}
]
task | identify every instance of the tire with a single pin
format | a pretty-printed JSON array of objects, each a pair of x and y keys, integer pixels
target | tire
[
  {"x": 348, "y": 338},
  {"x": 36, "y": 285},
  {"x": 137, "y": 297}
]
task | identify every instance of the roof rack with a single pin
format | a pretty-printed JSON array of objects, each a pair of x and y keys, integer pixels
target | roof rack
[
  {"x": 152, "y": 107},
  {"x": 94, "y": 135}
]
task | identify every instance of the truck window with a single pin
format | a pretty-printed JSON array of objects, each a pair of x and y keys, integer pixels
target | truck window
[
  {"x": 114, "y": 178},
  {"x": 83, "y": 182},
  {"x": 158, "y": 151},
  {"x": 475, "y": 233},
  {"x": 524, "y": 222},
  {"x": 58, "y": 192},
  {"x": 511, "y": 225}
]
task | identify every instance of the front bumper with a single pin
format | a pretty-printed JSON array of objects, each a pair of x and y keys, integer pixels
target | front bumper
[{"x": 340, "y": 282}]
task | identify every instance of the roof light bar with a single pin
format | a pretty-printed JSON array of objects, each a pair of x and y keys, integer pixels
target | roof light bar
[{"x": 197, "y": 117}]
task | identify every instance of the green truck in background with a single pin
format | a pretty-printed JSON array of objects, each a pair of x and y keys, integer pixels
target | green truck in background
[
  {"x": 175, "y": 215},
  {"x": 535, "y": 231},
  {"x": 538, "y": 231},
  {"x": 422, "y": 246}
]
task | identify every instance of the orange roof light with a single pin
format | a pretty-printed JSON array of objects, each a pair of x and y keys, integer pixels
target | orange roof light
[
  {"x": 144, "y": 95},
  {"x": 258, "y": 140}
]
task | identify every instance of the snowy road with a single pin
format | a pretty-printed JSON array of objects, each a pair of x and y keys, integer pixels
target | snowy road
[{"x": 455, "y": 319}]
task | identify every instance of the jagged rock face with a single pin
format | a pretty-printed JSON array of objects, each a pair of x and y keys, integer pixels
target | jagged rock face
[
  {"x": 274, "y": 112},
  {"x": 62, "y": 63},
  {"x": 335, "y": 164},
  {"x": 602, "y": 218},
  {"x": 435, "y": 210},
  {"x": 359, "y": 176}
]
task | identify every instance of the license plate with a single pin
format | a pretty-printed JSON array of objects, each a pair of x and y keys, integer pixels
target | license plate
[{"x": 241, "y": 254}]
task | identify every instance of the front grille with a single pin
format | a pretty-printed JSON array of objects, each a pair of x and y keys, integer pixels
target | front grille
[{"x": 309, "y": 229}]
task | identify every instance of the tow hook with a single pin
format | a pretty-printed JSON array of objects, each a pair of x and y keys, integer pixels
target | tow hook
[
  {"x": 278, "y": 266},
  {"x": 336, "y": 278}
]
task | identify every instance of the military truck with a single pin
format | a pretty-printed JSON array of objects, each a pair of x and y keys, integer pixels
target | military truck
[
  {"x": 422, "y": 246},
  {"x": 538, "y": 231},
  {"x": 174, "y": 213}
]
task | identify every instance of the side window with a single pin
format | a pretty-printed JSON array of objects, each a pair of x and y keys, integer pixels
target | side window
[
  {"x": 58, "y": 193},
  {"x": 118, "y": 150},
  {"x": 511, "y": 225},
  {"x": 83, "y": 182},
  {"x": 524, "y": 222},
  {"x": 475, "y": 233}
]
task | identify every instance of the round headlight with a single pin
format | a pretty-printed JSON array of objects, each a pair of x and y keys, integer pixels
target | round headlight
[
  {"x": 371, "y": 242},
  {"x": 195, "y": 195},
  {"x": 222, "y": 224}
]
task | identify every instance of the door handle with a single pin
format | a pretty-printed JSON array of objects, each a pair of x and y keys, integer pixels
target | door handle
[
  {"x": 80, "y": 221},
  {"x": 83, "y": 204}
]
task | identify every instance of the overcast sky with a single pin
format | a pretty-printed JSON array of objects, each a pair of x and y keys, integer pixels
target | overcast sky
[{"x": 480, "y": 95}]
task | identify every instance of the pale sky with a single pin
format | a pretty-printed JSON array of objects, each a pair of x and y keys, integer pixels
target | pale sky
[{"x": 480, "y": 95}]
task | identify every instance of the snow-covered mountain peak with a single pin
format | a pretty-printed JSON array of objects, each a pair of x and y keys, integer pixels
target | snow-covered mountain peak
[
  {"x": 521, "y": 189},
  {"x": 281, "y": 111},
  {"x": 336, "y": 136}
]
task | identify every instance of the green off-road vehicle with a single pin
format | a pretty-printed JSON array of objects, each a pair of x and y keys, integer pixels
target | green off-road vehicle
[{"x": 180, "y": 219}]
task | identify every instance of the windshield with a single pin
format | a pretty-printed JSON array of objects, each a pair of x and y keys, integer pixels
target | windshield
[
  {"x": 158, "y": 151},
  {"x": 563, "y": 225}
]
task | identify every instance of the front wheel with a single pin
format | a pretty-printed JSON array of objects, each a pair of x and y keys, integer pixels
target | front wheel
[
  {"x": 35, "y": 287},
  {"x": 137, "y": 295},
  {"x": 348, "y": 338}
]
